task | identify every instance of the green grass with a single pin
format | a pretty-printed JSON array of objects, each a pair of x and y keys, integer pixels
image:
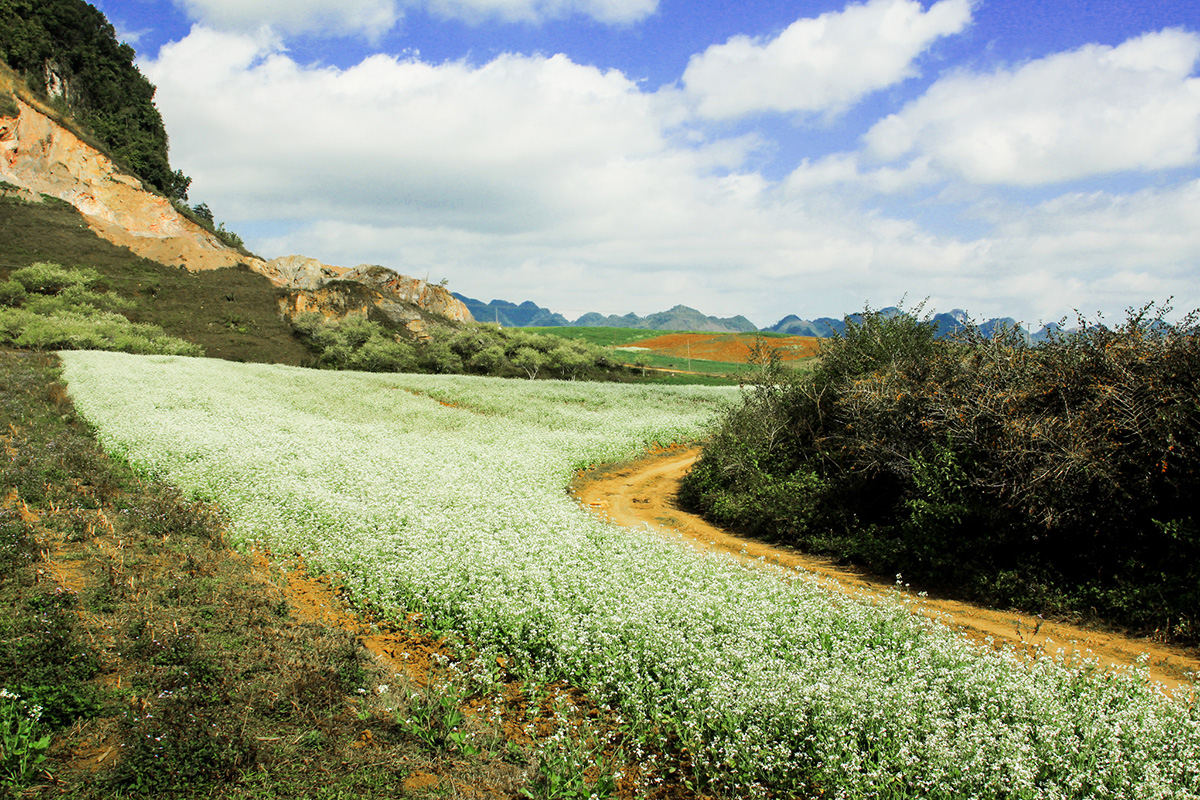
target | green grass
[
  {"x": 603, "y": 337},
  {"x": 665, "y": 378},
  {"x": 231, "y": 313},
  {"x": 709, "y": 372}
]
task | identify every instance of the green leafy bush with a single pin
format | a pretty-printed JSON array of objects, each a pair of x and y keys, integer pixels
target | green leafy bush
[
  {"x": 60, "y": 311},
  {"x": 21, "y": 747},
  {"x": 1059, "y": 477},
  {"x": 46, "y": 278},
  {"x": 12, "y": 293},
  {"x": 362, "y": 344}
]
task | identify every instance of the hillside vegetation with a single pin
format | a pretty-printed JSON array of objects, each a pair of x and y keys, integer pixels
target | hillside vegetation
[
  {"x": 49, "y": 307},
  {"x": 68, "y": 52},
  {"x": 229, "y": 313},
  {"x": 1060, "y": 478},
  {"x": 140, "y": 657}
]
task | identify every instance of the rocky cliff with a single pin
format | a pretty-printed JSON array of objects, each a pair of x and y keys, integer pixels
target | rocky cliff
[
  {"x": 364, "y": 291},
  {"x": 39, "y": 156}
]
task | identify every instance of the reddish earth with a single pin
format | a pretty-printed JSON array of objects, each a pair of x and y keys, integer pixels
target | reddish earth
[
  {"x": 318, "y": 599},
  {"x": 643, "y": 492},
  {"x": 728, "y": 347}
]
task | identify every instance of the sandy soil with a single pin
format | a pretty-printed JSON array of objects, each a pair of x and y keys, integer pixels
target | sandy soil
[{"x": 643, "y": 493}]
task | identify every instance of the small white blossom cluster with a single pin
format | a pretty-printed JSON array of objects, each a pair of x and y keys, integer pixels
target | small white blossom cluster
[{"x": 444, "y": 495}]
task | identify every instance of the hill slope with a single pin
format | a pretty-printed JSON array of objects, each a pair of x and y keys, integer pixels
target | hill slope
[{"x": 232, "y": 312}]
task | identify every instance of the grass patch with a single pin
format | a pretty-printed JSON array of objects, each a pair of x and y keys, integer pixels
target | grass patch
[
  {"x": 231, "y": 313},
  {"x": 602, "y": 337}
]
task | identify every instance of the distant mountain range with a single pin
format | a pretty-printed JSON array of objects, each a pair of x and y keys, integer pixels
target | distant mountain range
[
  {"x": 531, "y": 315},
  {"x": 683, "y": 318}
]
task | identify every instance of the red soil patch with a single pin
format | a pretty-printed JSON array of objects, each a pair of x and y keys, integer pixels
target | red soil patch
[{"x": 729, "y": 347}]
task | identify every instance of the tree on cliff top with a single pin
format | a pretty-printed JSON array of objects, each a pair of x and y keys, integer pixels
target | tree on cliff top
[{"x": 68, "y": 49}]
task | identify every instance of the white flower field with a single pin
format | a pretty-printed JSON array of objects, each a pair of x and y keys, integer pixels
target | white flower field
[{"x": 445, "y": 495}]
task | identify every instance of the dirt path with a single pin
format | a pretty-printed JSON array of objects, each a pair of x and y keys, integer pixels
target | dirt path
[{"x": 643, "y": 493}]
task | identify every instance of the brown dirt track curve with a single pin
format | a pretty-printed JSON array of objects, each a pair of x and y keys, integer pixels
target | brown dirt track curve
[{"x": 643, "y": 493}]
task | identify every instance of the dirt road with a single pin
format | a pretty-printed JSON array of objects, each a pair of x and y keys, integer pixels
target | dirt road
[{"x": 643, "y": 492}]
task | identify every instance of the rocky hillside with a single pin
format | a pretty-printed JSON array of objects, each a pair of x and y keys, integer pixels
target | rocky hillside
[{"x": 41, "y": 157}]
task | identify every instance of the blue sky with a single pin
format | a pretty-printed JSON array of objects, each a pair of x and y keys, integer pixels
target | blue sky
[{"x": 759, "y": 158}]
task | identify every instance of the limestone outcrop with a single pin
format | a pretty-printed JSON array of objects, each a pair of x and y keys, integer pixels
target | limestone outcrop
[
  {"x": 431, "y": 297},
  {"x": 337, "y": 292},
  {"x": 300, "y": 272},
  {"x": 342, "y": 299}
]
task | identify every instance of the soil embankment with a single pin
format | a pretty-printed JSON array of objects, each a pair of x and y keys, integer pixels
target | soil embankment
[{"x": 643, "y": 493}]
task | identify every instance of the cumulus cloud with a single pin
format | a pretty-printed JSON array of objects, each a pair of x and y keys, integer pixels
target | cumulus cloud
[
  {"x": 526, "y": 176},
  {"x": 846, "y": 171},
  {"x": 1091, "y": 111},
  {"x": 509, "y": 143},
  {"x": 826, "y": 63},
  {"x": 533, "y": 177},
  {"x": 608, "y": 11},
  {"x": 371, "y": 18}
]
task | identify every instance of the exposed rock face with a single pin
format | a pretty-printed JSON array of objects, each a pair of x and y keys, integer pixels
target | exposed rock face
[
  {"x": 342, "y": 299},
  {"x": 434, "y": 299},
  {"x": 300, "y": 272},
  {"x": 337, "y": 292},
  {"x": 39, "y": 155}
]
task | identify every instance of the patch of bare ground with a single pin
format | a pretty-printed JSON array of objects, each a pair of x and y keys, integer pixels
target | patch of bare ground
[
  {"x": 642, "y": 494},
  {"x": 729, "y": 347}
]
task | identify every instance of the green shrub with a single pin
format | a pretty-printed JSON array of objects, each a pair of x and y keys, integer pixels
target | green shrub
[
  {"x": 358, "y": 343},
  {"x": 12, "y": 293},
  {"x": 76, "y": 299},
  {"x": 87, "y": 329},
  {"x": 45, "y": 278},
  {"x": 1055, "y": 477},
  {"x": 52, "y": 307},
  {"x": 382, "y": 354},
  {"x": 184, "y": 744}
]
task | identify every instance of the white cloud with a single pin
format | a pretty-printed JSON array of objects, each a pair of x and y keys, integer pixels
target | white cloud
[
  {"x": 820, "y": 64},
  {"x": 621, "y": 12},
  {"x": 373, "y": 18},
  {"x": 507, "y": 144},
  {"x": 533, "y": 177},
  {"x": 526, "y": 176},
  {"x": 1095, "y": 252},
  {"x": 370, "y": 18},
  {"x": 1091, "y": 111},
  {"x": 845, "y": 172}
]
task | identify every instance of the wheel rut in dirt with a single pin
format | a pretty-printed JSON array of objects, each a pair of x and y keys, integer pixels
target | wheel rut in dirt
[{"x": 643, "y": 493}]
